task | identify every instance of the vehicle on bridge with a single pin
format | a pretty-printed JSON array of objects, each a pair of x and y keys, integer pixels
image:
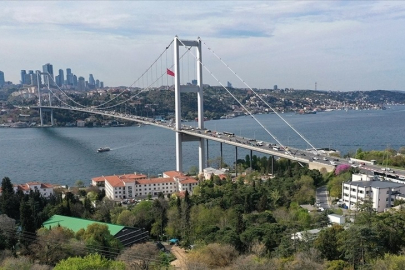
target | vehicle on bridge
[{"x": 230, "y": 134}]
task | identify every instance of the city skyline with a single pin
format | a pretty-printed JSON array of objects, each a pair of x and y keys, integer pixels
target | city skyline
[
  {"x": 70, "y": 80},
  {"x": 340, "y": 45}
]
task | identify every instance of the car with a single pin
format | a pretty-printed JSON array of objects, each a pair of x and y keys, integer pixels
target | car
[
  {"x": 315, "y": 158},
  {"x": 324, "y": 158}
]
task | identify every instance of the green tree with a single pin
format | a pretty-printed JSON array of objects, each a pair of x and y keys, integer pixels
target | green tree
[
  {"x": 9, "y": 203},
  {"x": 99, "y": 240},
  {"x": 327, "y": 242},
  {"x": 56, "y": 244},
  {"x": 89, "y": 262}
]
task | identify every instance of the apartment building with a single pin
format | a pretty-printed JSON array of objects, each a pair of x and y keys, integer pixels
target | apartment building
[{"x": 381, "y": 193}]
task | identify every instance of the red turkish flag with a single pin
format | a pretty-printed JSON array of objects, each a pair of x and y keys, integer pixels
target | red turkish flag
[{"x": 169, "y": 72}]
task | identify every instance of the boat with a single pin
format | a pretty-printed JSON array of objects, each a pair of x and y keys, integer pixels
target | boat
[{"x": 103, "y": 149}]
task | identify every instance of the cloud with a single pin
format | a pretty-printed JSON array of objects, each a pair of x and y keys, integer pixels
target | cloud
[{"x": 343, "y": 45}]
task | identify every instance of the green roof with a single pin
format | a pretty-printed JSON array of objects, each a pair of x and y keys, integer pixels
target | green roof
[{"x": 75, "y": 224}]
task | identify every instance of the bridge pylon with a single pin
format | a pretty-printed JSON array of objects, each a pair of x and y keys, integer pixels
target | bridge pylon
[{"x": 180, "y": 138}]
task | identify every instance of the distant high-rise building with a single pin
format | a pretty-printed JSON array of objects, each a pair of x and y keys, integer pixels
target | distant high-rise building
[
  {"x": 2, "y": 78},
  {"x": 61, "y": 80},
  {"x": 81, "y": 84},
  {"x": 91, "y": 80},
  {"x": 101, "y": 84},
  {"x": 275, "y": 87},
  {"x": 74, "y": 80},
  {"x": 97, "y": 83},
  {"x": 23, "y": 73},
  {"x": 229, "y": 84},
  {"x": 27, "y": 79},
  {"x": 69, "y": 76},
  {"x": 48, "y": 68},
  {"x": 194, "y": 82}
]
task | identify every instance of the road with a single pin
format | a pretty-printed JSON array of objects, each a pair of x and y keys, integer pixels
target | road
[{"x": 322, "y": 198}]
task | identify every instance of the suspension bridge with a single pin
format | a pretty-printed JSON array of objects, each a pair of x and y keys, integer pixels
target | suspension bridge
[{"x": 155, "y": 74}]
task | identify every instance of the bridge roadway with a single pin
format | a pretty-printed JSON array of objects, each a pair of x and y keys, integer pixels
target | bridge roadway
[
  {"x": 246, "y": 143},
  {"x": 315, "y": 159}
]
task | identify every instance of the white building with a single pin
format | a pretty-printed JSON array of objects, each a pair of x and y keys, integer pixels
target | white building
[
  {"x": 381, "y": 193},
  {"x": 118, "y": 187},
  {"x": 208, "y": 172},
  {"x": 336, "y": 219},
  {"x": 46, "y": 190}
]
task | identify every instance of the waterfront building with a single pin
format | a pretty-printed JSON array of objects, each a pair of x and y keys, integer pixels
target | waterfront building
[
  {"x": 2, "y": 81},
  {"x": 129, "y": 186},
  {"x": 46, "y": 190}
]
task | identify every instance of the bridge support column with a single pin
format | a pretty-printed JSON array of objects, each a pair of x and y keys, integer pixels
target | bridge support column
[
  {"x": 179, "y": 152},
  {"x": 201, "y": 155},
  {"x": 236, "y": 161},
  {"x": 207, "y": 153},
  {"x": 39, "y": 99},
  {"x": 272, "y": 165},
  {"x": 221, "y": 158},
  {"x": 199, "y": 90},
  {"x": 50, "y": 104},
  {"x": 177, "y": 114},
  {"x": 251, "y": 160}
]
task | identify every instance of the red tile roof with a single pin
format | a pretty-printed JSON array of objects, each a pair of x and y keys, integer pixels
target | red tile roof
[
  {"x": 188, "y": 180},
  {"x": 173, "y": 174},
  {"x": 159, "y": 180}
]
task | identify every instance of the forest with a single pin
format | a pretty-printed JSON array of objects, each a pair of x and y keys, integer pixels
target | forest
[{"x": 234, "y": 223}]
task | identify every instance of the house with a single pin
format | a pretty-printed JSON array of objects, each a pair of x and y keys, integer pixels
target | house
[
  {"x": 126, "y": 235},
  {"x": 381, "y": 193}
]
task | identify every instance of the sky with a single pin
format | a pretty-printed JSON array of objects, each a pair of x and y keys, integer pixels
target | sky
[{"x": 339, "y": 45}]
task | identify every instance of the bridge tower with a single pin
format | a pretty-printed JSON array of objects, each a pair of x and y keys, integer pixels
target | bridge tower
[{"x": 180, "y": 137}]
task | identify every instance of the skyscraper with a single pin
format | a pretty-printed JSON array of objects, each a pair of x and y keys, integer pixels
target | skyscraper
[
  {"x": 2, "y": 78},
  {"x": 69, "y": 76},
  {"x": 74, "y": 80},
  {"x": 91, "y": 80},
  {"x": 81, "y": 85},
  {"x": 23, "y": 73},
  {"x": 61, "y": 80},
  {"x": 48, "y": 68}
]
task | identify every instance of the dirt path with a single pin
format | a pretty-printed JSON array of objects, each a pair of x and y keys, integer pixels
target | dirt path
[{"x": 180, "y": 254}]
